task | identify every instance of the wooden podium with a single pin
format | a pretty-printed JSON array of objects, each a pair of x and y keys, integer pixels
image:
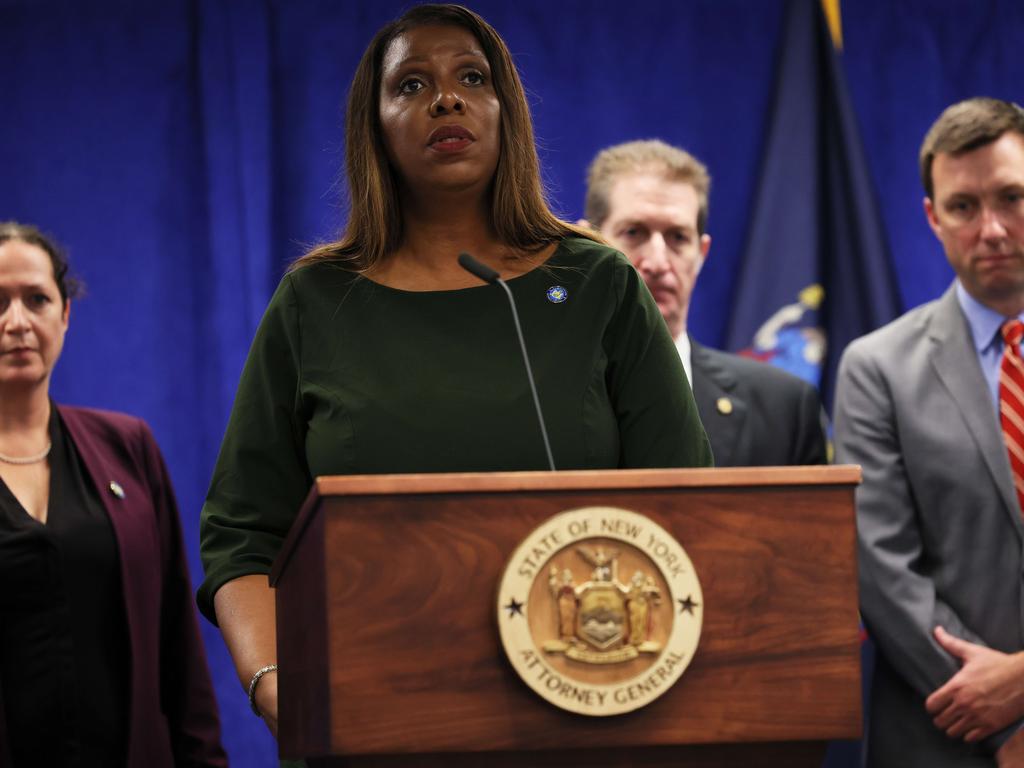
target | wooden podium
[{"x": 387, "y": 630}]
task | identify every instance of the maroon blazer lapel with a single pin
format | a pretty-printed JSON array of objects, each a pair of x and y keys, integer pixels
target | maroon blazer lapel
[
  {"x": 173, "y": 709},
  {"x": 106, "y": 449}
]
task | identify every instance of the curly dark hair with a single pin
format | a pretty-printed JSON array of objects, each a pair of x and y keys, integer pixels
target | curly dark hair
[{"x": 70, "y": 287}]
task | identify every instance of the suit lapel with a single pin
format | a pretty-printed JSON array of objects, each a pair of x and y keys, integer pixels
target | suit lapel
[
  {"x": 956, "y": 365},
  {"x": 714, "y": 385}
]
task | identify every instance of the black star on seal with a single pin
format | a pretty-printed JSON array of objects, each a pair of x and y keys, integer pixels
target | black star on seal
[
  {"x": 514, "y": 607},
  {"x": 686, "y": 605}
]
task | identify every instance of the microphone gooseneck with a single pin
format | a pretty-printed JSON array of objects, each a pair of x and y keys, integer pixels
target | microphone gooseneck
[
  {"x": 489, "y": 275},
  {"x": 477, "y": 269}
]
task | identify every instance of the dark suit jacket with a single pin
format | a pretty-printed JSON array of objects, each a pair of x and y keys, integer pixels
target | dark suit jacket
[
  {"x": 173, "y": 713},
  {"x": 756, "y": 414}
]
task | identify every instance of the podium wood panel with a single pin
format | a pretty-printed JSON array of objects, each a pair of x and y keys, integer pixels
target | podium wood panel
[
  {"x": 761, "y": 755},
  {"x": 394, "y": 648}
]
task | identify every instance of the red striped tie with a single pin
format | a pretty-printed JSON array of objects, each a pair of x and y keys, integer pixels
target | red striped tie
[{"x": 1011, "y": 402}]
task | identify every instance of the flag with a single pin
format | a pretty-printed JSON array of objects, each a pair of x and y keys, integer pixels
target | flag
[{"x": 816, "y": 271}]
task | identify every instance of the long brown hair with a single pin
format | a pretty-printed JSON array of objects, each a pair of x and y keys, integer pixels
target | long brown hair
[{"x": 519, "y": 213}]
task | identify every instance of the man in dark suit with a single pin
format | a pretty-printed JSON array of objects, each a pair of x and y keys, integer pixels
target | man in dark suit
[
  {"x": 932, "y": 407},
  {"x": 650, "y": 200}
]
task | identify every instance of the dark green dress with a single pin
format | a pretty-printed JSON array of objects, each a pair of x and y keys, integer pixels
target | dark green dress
[{"x": 346, "y": 376}]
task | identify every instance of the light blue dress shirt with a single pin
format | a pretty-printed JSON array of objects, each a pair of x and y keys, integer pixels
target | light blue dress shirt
[{"x": 984, "y": 323}]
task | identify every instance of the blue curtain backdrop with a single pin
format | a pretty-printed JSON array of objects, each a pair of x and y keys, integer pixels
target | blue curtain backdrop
[{"x": 186, "y": 150}]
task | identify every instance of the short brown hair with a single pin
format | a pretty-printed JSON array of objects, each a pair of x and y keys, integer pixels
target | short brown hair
[
  {"x": 69, "y": 286},
  {"x": 965, "y": 126},
  {"x": 519, "y": 213},
  {"x": 650, "y": 154}
]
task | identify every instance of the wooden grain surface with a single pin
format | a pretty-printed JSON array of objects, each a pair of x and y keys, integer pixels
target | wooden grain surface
[
  {"x": 769, "y": 755},
  {"x": 302, "y": 638},
  {"x": 583, "y": 480},
  {"x": 416, "y": 665}
]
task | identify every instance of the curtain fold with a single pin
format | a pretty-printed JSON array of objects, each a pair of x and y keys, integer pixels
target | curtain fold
[{"x": 187, "y": 150}]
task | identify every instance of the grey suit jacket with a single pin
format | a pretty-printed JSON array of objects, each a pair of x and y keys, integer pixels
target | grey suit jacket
[
  {"x": 772, "y": 418},
  {"x": 939, "y": 529}
]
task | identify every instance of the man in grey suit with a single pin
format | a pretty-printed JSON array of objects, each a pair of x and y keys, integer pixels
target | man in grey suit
[
  {"x": 650, "y": 200},
  {"x": 919, "y": 405}
]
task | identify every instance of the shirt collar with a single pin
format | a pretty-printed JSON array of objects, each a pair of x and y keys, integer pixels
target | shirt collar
[
  {"x": 983, "y": 321},
  {"x": 683, "y": 346}
]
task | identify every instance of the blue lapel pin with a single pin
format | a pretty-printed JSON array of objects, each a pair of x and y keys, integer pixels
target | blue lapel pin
[{"x": 557, "y": 294}]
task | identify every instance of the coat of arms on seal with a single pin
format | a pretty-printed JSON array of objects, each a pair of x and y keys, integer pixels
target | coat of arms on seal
[
  {"x": 603, "y": 621},
  {"x": 600, "y": 610}
]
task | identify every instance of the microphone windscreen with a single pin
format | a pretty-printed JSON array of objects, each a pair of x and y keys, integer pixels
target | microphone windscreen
[{"x": 474, "y": 267}]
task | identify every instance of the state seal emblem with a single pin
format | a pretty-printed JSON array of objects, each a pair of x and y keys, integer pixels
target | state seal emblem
[{"x": 600, "y": 610}]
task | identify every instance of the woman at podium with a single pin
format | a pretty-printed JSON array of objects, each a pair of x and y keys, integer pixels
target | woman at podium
[
  {"x": 379, "y": 353},
  {"x": 101, "y": 663}
]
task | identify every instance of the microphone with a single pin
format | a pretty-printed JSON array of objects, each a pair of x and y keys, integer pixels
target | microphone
[
  {"x": 482, "y": 271},
  {"x": 488, "y": 275}
]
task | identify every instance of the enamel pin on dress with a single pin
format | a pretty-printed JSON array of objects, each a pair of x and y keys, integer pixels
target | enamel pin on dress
[
  {"x": 557, "y": 294},
  {"x": 116, "y": 489}
]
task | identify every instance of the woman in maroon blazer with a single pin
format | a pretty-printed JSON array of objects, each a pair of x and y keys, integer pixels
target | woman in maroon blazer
[{"x": 101, "y": 663}]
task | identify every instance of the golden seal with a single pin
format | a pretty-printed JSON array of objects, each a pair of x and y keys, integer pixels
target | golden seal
[{"x": 600, "y": 610}]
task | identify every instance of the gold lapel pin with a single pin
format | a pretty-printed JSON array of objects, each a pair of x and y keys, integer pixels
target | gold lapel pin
[
  {"x": 116, "y": 489},
  {"x": 724, "y": 406}
]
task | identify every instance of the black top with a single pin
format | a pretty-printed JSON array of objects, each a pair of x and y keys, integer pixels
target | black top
[
  {"x": 346, "y": 376},
  {"x": 63, "y": 634}
]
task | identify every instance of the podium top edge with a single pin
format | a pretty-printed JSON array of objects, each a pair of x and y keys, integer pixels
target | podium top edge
[
  {"x": 576, "y": 480},
  {"x": 557, "y": 482}
]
